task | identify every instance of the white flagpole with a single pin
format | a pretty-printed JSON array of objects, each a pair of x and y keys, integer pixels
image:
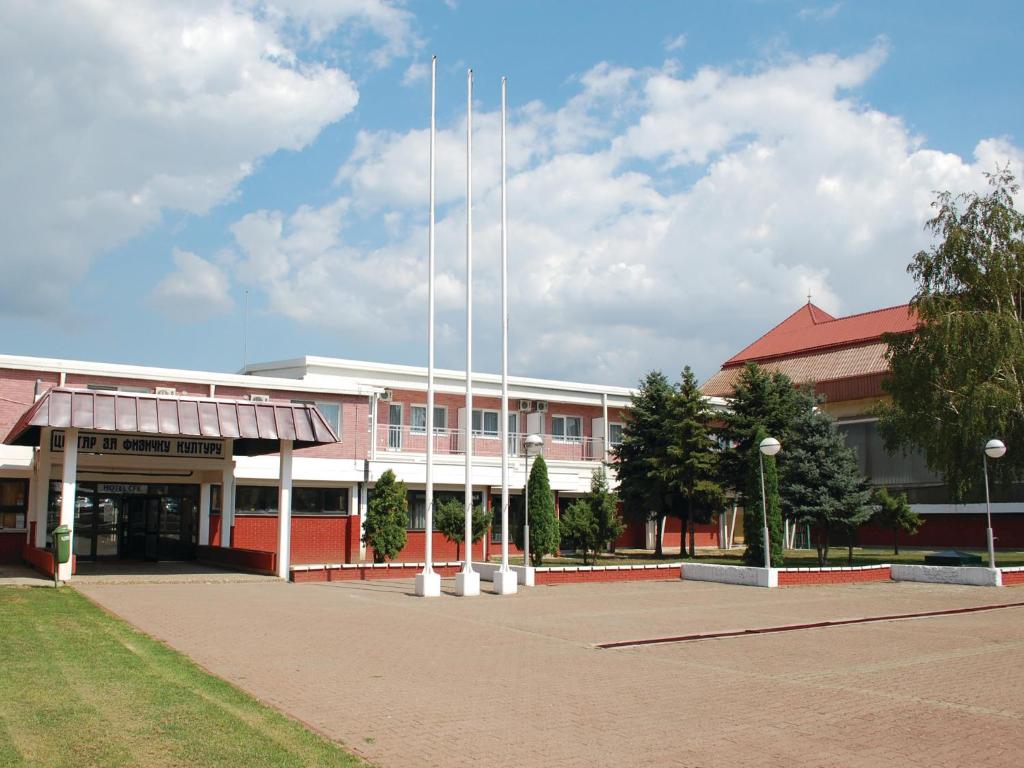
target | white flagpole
[
  {"x": 428, "y": 583},
  {"x": 467, "y": 582},
  {"x": 505, "y": 579}
]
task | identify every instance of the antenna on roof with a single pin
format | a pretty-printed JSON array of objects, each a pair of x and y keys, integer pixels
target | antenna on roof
[{"x": 808, "y": 297}]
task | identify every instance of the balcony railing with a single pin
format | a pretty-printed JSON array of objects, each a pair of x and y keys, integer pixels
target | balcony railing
[{"x": 395, "y": 438}]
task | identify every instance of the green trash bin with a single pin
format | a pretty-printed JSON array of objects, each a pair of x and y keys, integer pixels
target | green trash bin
[
  {"x": 62, "y": 544},
  {"x": 61, "y": 548}
]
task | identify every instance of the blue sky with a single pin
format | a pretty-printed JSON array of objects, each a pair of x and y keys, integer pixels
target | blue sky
[{"x": 682, "y": 173}]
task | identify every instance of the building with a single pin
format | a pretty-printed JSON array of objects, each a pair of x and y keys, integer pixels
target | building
[
  {"x": 171, "y": 464},
  {"x": 844, "y": 359}
]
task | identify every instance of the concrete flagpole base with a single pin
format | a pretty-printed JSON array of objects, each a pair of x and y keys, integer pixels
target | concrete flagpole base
[
  {"x": 428, "y": 584},
  {"x": 505, "y": 583},
  {"x": 467, "y": 583}
]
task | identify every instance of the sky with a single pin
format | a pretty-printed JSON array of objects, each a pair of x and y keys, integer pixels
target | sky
[{"x": 681, "y": 175}]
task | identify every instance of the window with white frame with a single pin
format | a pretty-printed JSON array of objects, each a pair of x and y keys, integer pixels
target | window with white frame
[
  {"x": 485, "y": 423},
  {"x": 614, "y": 434},
  {"x": 418, "y": 418},
  {"x": 330, "y": 411},
  {"x": 567, "y": 428}
]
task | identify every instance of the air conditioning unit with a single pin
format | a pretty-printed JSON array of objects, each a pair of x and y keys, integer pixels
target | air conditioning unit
[
  {"x": 259, "y": 398},
  {"x": 387, "y": 394},
  {"x": 525, "y": 405},
  {"x": 169, "y": 391},
  {"x": 542, "y": 406}
]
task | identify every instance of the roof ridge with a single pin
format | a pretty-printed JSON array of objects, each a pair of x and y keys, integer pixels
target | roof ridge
[
  {"x": 780, "y": 324},
  {"x": 869, "y": 312}
]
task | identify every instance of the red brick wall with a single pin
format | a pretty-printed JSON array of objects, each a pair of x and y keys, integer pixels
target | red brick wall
[
  {"x": 954, "y": 530},
  {"x": 578, "y": 577},
  {"x": 635, "y": 535},
  {"x": 810, "y": 578},
  {"x": 706, "y": 534},
  {"x": 1013, "y": 579},
  {"x": 315, "y": 539},
  {"x": 393, "y": 571},
  {"x": 16, "y": 394}
]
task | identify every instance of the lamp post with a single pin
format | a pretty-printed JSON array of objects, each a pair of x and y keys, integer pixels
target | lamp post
[
  {"x": 531, "y": 443},
  {"x": 768, "y": 447},
  {"x": 994, "y": 449}
]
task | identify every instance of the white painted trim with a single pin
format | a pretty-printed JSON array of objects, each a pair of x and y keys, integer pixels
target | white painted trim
[{"x": 184, "y": 376}]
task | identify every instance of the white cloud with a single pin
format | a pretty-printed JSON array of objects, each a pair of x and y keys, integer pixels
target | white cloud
[
  {"x": 118, "y": 112},
  {"x": 655, "y": 220},
  {"x": 196, "y": 290},
  {"x": 676, "y": 43},
  {"x": 820, "y": 13}
]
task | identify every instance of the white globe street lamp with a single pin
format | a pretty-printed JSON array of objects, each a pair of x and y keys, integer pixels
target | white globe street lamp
[
  {"x": 531, "y": 443},
  {"x": 768, "y": 447},
  {"x": 994, "y": 449}
]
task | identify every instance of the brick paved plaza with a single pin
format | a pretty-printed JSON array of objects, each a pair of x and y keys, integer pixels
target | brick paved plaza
[{"x": 517, "y": 681}]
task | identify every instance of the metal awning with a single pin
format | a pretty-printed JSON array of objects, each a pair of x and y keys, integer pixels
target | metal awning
[{"x": 255, "y": 427}]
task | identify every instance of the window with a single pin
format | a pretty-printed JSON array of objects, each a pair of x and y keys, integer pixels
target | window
[
  {"x": 256, "y": 500},
  {"x": 320, "y": 501},
  {"x": 418, "y": 418},
  {"x": 395, "y": 426},
  {"x": 330, "y": 411},
  {"x": 615, "y": 434},
  {"x": 485, "y": 423},
  {"x": 567, "y": 429},
  {"x": 14, "y": 504},
  {"x": 418, "y": 505}
]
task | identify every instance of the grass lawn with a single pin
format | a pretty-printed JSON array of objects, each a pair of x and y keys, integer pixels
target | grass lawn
[
  {"x": 795, "y": 558},
  {"x": 126, "y": 699}
]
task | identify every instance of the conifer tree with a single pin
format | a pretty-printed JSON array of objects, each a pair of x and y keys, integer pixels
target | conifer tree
[
  {"x": 387, "y": 515},
  {"x": 544, "y": 529},
  {"x": 643, "y": 453},
  {"x": 691, "y": 467},
  {"x": 593, "y": 522},
  {"x": 824, "y": 487},
  {"x": 894, "y": 513}
]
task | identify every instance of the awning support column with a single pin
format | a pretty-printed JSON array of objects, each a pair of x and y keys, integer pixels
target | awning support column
[
  {"x": 227, "y": 504},
  {"x": 284, "y": 512},
  {"x": 69, "y": 494},
  {"x": 204, "y": 514},
  {"x": 41, "y": 480}
]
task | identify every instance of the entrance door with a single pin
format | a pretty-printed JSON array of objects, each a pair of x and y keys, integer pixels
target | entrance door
[{"x": 142, "y": 528}]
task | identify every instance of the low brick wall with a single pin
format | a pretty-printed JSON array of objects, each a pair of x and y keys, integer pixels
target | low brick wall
[
  {"x": 798, "y": 577},
  {"x": 365, "y": 571},
  {"x": 586, "y": 574},
  {"x": 253, "y": 560},
  {"x": 42, "y": 560},
  {"x": 1013, "y": 577}
]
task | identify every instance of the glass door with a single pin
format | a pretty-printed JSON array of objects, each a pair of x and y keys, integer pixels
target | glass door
[{"x": 395, "y": 427}]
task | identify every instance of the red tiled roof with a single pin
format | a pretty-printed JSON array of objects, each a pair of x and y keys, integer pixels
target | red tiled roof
[
  {"x": 811, "y": 329},
  {"x": 830, "y": 365},
  {"x": 256, "y": 428}
]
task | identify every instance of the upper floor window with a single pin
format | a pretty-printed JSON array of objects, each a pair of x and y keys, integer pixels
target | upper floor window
[
  {"x": 14, "y": 504},
  {"x": 614, "y": 434},
  {"x": 485, "y": 423},
  {"x": 115, "y": 388},
  {"x": 567, "y": 428},
  {"x": 418, "y": 418},
  {"x": 330, "y": 411}
]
